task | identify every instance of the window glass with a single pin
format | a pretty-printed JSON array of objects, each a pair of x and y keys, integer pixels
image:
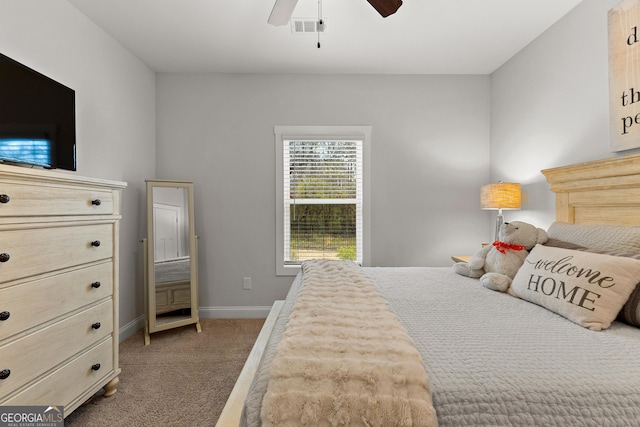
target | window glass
[
  {"x": 320, "y": 194},
  {"x": 323, "y": 181}
]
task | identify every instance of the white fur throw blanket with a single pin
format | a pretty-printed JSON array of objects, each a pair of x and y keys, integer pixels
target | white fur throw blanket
[{"x": 345, "y": 359}]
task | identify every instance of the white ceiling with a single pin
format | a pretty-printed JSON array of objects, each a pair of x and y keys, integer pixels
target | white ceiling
[{"x": 422, "y": 37}]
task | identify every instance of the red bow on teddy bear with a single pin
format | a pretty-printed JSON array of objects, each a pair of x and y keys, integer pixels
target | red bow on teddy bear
[{"x": 502, "y": 246}]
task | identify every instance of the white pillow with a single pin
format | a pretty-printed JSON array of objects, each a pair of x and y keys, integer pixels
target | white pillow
[{"x": 586, "y": 288}]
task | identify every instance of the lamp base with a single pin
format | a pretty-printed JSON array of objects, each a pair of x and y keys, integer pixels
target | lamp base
[{"x": 499, "y": 222}]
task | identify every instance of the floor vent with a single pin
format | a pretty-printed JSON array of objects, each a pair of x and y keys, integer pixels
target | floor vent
[{"x": 308, "y": 26}]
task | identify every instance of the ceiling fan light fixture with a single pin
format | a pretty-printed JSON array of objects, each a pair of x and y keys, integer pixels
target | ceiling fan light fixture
[{"x": 386, "y": 7}]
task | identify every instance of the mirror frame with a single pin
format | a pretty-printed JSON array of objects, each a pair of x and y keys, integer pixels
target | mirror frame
[{"x": 151, "y": 324}]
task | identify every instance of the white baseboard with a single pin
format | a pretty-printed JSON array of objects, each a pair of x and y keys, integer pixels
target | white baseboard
[
  {"x": 131, "y": 328},
  {"x": 248, "y": 312}
]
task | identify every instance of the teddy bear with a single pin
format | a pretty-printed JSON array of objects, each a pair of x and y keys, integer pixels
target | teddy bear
[{"x": 497, "y": 264}]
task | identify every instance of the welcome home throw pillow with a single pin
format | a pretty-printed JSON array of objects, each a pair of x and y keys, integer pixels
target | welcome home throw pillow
[{"x": 586, "y": 288}]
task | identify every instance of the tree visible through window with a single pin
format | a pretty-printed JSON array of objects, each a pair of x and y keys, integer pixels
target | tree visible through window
[{"x": 322, "y": 199}]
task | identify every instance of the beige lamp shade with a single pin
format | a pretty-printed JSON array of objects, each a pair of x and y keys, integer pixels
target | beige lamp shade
[{"x": 500, "y": 195}]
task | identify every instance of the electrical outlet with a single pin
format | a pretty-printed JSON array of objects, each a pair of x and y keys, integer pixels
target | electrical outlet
[{"x": 246, "y": 283}]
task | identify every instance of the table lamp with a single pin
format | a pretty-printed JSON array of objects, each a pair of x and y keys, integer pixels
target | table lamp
[{"x": 499, "y": 196}]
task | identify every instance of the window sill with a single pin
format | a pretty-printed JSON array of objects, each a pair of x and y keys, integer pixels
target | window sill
[{"x": 287, "y": 270}]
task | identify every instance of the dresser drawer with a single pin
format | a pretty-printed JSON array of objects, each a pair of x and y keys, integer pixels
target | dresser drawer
[
  {"x": 64, "y": 385},
  {"x": 46, "y": 200},
  {"x": 39, "y": 250},
  {"x": 32, "y": 355},
  {"x": 32, "y": 303}
]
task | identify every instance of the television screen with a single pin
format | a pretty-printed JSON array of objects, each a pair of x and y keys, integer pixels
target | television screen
[{"x": 37, "y": 118}]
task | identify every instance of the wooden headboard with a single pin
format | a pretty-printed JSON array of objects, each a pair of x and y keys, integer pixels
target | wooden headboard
[{"x": 600, "y": 192}]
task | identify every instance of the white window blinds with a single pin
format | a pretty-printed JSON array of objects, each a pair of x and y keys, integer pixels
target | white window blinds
[{"x": 322, "y": 199}]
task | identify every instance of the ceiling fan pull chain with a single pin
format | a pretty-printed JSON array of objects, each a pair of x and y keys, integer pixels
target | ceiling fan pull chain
[{"x": 319, "y": 21}]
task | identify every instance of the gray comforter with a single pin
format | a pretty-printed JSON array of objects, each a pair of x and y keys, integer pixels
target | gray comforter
[
  {"x": 495, "y": 360},
  {"x": 173, "y": 270}
]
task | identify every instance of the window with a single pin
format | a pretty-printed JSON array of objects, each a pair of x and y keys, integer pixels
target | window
[{"x": 321, "y": 194}]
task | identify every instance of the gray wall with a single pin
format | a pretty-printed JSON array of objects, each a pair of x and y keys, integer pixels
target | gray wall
[
  {"x": 115, "y": 111},
  {"x": 550, "y": 106},
  {"x": 430, "y": 154}
]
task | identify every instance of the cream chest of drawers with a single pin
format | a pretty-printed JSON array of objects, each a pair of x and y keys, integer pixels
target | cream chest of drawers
[{"x": 58, "y": 287}]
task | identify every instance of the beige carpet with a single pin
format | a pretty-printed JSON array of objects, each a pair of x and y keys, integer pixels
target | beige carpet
[{"x": 182, "y": 379}]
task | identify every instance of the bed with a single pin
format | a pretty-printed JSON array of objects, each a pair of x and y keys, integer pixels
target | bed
[
  {"x": 492, "y": 359},
  {"x": 173, "y": 284}
]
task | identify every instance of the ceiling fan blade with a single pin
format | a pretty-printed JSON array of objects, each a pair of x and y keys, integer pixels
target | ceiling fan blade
[
  {"x": 386, "y": 7},
  {"x": 281, "y": 12}
]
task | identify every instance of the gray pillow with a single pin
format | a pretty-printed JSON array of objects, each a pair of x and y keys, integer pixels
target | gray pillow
[
  {"x": 602, "y": 237},
  {"x": 557, "y": 243}
]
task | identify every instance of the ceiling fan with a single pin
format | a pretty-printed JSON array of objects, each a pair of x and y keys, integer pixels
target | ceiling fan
[{"x": 282, "y": 9}]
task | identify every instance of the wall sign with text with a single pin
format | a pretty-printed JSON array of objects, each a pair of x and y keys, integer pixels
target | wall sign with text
[{"x": 624, "y": 75}]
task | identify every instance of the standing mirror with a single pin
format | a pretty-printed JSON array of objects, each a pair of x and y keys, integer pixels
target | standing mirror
[{"x": 171, "y": 258}]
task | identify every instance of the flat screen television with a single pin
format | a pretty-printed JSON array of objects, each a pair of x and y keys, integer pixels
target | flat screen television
[{"x": 37, "y": 118}]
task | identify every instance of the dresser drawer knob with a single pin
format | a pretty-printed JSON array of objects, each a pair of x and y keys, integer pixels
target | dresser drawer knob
[
  {"x": 95, "y": 367},
  {"x": 4, "y": 257},
  {"x": 96, "y": 202},
  {"x": 95, "y": 243},
  {"x": 4, "y": 198},
  {"x": 95, "y": 285},
  {"x": 4, "y": 315},
  {"x": 96, "y": 325},
  {"x": 4, "y": 374}
]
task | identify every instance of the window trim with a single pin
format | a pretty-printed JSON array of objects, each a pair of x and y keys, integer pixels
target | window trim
[{"x": 283, "y": 133}]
